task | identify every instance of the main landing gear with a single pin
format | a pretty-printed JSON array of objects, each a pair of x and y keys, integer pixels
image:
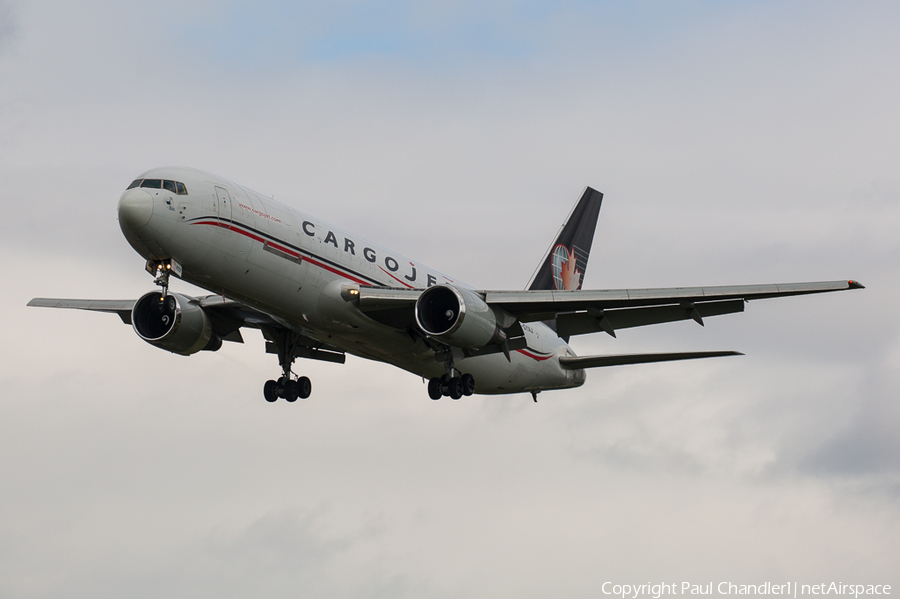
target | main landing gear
[
  {"x": 288, "y": 389},
  {"x": 451, "y": 386},
  {"x": 286, "y": 386}
]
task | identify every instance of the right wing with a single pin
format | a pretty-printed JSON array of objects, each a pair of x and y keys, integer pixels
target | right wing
[
  {"x": 227, "y": 318},
  {"x": 120, "y": 307}
]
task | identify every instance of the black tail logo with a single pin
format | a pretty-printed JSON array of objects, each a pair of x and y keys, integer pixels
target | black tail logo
[{"x": 564, "y": 265}]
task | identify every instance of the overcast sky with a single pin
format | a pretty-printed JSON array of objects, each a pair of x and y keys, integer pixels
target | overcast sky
[{"x": 736, "y": 142}]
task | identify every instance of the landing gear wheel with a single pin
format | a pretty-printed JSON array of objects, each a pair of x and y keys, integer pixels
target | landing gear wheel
[
  {"x": 270, "y": 391},
  {"x": 291, "y": 391},
  {"x": 434, "y": 388},
  {"x": 302, "y": 387},
  {"x": 455, "y": 388},
  {"x": 282, "y": 385},
  {"x": 468, "y": 384}
]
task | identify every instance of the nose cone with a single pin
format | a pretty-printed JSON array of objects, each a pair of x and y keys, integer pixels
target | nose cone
[{"x": 135, "y": 209}]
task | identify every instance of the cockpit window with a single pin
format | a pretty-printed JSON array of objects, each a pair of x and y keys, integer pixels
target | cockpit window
[{"x": 173, "y": 186}]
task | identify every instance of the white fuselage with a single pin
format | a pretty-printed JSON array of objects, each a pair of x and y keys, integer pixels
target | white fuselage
[{"x": 252, "y": 249}]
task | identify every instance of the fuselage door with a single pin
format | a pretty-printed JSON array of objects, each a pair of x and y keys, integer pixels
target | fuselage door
[{"x": 223, "y": 203}]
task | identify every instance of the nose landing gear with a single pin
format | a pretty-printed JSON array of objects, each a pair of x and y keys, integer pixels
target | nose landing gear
[{"x": 161, "y": 269}]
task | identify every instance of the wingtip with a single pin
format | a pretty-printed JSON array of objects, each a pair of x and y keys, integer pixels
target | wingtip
[{"x": 855, "y": 285}]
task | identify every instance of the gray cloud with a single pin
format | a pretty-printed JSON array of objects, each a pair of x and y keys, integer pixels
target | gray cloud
[
  {"x": 8, "y": 25},
  {"x": 867, "y": 444}
]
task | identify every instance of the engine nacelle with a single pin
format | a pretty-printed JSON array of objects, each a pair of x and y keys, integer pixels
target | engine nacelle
[
  {"x": 174, "y": 324},
  {"x": 457, "y": 317}
]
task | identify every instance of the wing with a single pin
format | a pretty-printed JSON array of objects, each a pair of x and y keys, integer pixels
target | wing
[
  {"x": 120, "y": 307},
  {"x": 227, "y": 317},
  {"x": 586, "y": 311}
]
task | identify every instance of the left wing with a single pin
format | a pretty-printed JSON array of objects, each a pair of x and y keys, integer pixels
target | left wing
[{"x": 589, "y": 311}]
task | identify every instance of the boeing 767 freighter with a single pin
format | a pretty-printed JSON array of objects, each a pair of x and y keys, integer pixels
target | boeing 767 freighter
[{"x": 317, "y": 292}]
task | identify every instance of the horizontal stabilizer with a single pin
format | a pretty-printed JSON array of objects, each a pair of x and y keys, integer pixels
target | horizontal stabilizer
[{"x": 576, "y": 363}]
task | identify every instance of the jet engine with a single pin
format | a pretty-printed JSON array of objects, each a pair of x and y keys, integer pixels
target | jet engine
[
  {"x": 173, "y": 323},
  {"x": 457, "y": 317}
]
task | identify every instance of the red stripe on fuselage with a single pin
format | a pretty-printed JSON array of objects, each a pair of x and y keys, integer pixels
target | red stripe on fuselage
[
  {"x": 281, "y": 248},
  {"x": 534, "y": 356},
  {"x": 335, "y": 271},
  {"x": 231, "y": 228},
  {"x": 396, "y": 279}
]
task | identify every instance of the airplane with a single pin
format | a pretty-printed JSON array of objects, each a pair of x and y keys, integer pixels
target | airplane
[{"x": 317, "y": 292}]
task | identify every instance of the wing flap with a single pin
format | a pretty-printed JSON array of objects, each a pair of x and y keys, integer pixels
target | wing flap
[
  {"x": 581, "y": 323},
  {"x": 389, "y": 306},
  {"x": 579, "y": 362},
  {"x": 372, "y": 299}
]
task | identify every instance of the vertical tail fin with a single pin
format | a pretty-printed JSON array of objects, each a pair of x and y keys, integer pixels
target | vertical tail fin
[{"x": 566, "y": 261}]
